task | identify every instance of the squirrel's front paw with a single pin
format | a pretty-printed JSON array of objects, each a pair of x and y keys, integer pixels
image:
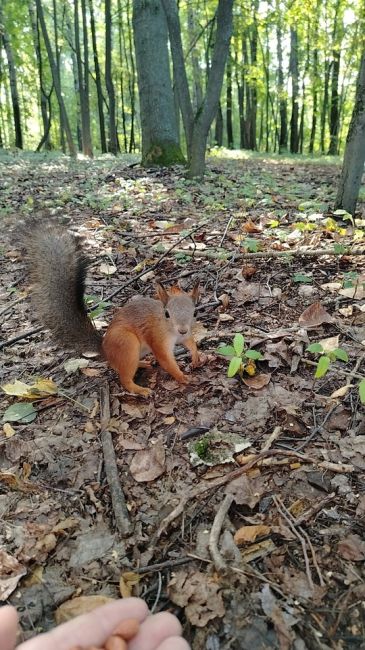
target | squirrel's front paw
[
  {"x": 198, "y": 360},
  {"x": 183, "y": 379}
]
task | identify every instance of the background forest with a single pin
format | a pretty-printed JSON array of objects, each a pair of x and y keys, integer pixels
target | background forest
[{"x": 68, "y": 73}]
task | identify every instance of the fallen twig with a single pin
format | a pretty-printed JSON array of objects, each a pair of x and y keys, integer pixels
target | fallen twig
[
  {"x": 286, "y": 514},
  {"x": 219, "y": 562},
  {"x": 214, "y": 255},
  {"x": 9, "y": 342},
  {"x": 222, "y": 480},
  {"x": 110, "y": 465}
]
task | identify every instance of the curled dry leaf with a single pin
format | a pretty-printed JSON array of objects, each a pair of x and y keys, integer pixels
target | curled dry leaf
[
  {"x": 78, "y": 606},
  {"x": 315, "y": 315},
  {"x": 127, "y": 581},
  {"x": 10, "y": 573},
  {"x": 248, "y": 271},
  {"x": 352, "y": 548},
  {"x": 250, "y": 533},
  {"x": 257, "y": 382},
  {"x": 148, "y": 464}
]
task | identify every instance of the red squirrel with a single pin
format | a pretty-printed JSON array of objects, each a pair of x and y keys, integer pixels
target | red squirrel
[{"x": 58, "y": 269}]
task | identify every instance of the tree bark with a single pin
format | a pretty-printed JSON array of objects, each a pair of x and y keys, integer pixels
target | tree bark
[
  {"x": 327, "y": 71},
  {"x": 113, "y": 137},
  {"x": 334, "y": 106},
  {"x": 354, "y": 158},
  {"x": 99, "y": 89},
  {"x": 315, "y": 100},
  {"x": 229, "y": 123},
  {"x": 294, "y": 72},
  {"x": 83, "y": 71},
  {"x": 218, "y": 132},
  {"x": 13, "y": 86},
  {"x": 55, "y": 78},
  {"x": 160, "y": 138},
  {"x": 283, "y": 136},
  {"x": 43, "y": 95}
]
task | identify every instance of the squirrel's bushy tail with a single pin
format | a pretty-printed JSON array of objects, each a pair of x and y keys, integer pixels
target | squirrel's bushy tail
[{"x": 58, "y": 268}]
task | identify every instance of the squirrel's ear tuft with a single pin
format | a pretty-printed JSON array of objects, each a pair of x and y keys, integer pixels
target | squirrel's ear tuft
[
  {"x": 195, "y": 292},
  {"x": 162, "y": 293}
]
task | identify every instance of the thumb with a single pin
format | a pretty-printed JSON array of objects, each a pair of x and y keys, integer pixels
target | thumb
[{"x": 8, "y": 627}]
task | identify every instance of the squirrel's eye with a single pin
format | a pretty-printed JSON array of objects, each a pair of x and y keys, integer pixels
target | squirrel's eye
[{"x": 167, "y": 314}]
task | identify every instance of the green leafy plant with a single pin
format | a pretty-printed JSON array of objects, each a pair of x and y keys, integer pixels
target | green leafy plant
[
  {"x": 251, "y": 245},
  {"x": 101, "y": 306},
  {"x": 362, "y": 391},
  {"x": 326, "y": 358},
  {"x": 241, "y": 359},
  {"x": 304, "y": 279}
]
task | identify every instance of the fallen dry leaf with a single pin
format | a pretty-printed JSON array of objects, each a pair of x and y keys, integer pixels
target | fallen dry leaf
[
  {"x": 11, "y": 571},
  {"x": 148, "y": 464},
  {"x": 257, "y": 382},
  {"x": 127, "y": 581},
  {"x": 250, "y": 533},
  {"x": 315, "y": 315},
  {"x": 352, "y": 548},
  {"x": 200, "y": 594},
  {"x": 77, "y": 606}
]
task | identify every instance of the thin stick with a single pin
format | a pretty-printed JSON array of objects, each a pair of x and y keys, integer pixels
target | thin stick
[
  {"x": 214, "y": 255},
  {"x": 219, "y": 562},
  {"x": 226, "y": 230},
  {"x": 110, "y": 465},
  {"x": 195, "y": 494},
  {"x": 285, "y": 513},
  {"x": 11, "y": 305},
  {"x": 9, "y": 342}
]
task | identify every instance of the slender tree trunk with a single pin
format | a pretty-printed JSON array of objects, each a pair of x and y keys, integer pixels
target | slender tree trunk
[
  {"x": 70, "y": 34},
  {"x": 302, "y": 112},
  {"x": 294, "y": 72},
  {"x": 132, "y": 81},
  {"x": 99, "y": 90},
  {"x": 283, "y": 137},
  {"x": 87, "y": 140},
  {"x": 121, "y": 74},
  {"x": 42, "y": 94},
  {"x": 354, "y": 158},
  {"x": 13, "y": 85},
  {"x": 113, "y": 137},
  {"x": 82, "y": 70},
  {"x": 334, "y": 107},
  {"x": 198, "y": 92},
  {"x": 218, "y": 132},
  {"x": 229, "y": 122},
  {"x": 327, "y": 70},
  {"x": 58, "y": 68},
  {"x": 253, "y": 53},
  {"x": 55, "y": 77},
  {"x": 315, "y": 99}
]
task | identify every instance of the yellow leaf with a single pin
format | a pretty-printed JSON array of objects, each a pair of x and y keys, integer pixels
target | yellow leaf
[
  {"x": 35, "y": 578},
  {"x": 127, "y": 581},
  {"x": 250, "y": 533},
  {"x": 41, "y": 388},
  {"x": 169, "y": 420},
  {"x": 77, "y": 606}
]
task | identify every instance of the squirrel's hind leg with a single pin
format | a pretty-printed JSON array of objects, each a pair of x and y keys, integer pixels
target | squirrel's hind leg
[{"x": 122, "y": 350}]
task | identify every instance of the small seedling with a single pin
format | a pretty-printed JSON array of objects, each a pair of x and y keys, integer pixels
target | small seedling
[
  {"x": 362, "y": 391},
  {"x": 326, "y": 358},
  {"x": 251, "y": 245},
  {"x": 241, "y": 360}
]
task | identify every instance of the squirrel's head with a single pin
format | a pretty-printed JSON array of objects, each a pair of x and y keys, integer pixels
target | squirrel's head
[{"x": 179, "y": 308}]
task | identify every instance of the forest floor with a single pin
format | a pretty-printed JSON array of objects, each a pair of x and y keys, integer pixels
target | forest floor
[{"x": 280, "y": 452}]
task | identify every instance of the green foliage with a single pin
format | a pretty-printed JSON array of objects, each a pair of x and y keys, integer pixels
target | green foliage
[
  {"x": 362, "y": 391},
  {"x": 301, "y": 278},
  {"x": 251, "y": 245},
  {"x": 201, "y": 447},
  {"x": 326, "y": 358},
  {"x": 241, "y": 359}
]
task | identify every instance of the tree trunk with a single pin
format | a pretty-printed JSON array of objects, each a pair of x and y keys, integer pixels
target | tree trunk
[
  {"x": 13, "y": 86},
  {"x": 294, "y": 72},
  {"x": 121, "y": 75},
  {"x": 99, "y": 90},
  {"x": 218, "y": 132},
  {"x": 327, "y": 70},
  {"x": 113, "y": 136},
  {"x": 82, "y": 70},
  {"x": 198, "y": 92},
  {"x": 334, "y": 109},
  {"x": 315, "y": 99},
  {"x": 43, "y": 95},
  {"x": 283, "y": 137},
  {"x": 58, "y": 68},
  {"x": 160, "y": 138},
  {"x": 354, "y": 158},
  {"x": 55, "y": 78},
  {"x": 229, "y": 123}
]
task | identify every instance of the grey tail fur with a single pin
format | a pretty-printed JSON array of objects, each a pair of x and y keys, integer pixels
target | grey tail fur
[{"x": 58, "y": 269}]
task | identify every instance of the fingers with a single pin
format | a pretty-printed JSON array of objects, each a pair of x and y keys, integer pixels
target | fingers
[
  {"x": 89, "y": 629},
  {"x": 8, "y": 627},
  {"x": 174, "y": 643},
  {"x": 157, "y": 630}
]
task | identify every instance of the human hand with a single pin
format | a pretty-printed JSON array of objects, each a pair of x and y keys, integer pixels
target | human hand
[{"x": 157, "y": 632}]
